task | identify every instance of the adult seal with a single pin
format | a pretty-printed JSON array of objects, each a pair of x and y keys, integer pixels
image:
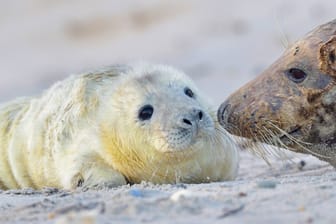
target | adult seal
[
  {"x": 292, "y": 104},
  {"x": 117, "y": 125}
]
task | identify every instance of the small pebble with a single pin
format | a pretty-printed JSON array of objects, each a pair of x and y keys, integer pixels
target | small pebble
[
  {"x": 242, "y": 194},
  {"x": 326, "y": 187},
  {"x": 78, "y": 218},
  {"x": 310, "y": 220},
  {"x": 301, "y": 164},
  {"x": 180, "y": 185},
  {"x": 267, "y": 184},
  {"x": 136, "y": 193},
  {"x": 181, "y": 194},
  {"x": 301, "y": 209}
]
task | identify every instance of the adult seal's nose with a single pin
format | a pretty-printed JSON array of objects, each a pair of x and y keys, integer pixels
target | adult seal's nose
[{"x": 223, "y": 113}]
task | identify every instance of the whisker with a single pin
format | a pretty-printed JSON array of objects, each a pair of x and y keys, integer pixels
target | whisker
[{"x": 300, "y": 143}]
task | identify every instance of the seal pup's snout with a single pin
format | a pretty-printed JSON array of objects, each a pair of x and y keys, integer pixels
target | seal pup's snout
[{"x": 192, "y": 119}]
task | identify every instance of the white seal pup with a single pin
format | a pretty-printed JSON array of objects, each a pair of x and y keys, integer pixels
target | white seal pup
[{"x": 117, "y": 125}]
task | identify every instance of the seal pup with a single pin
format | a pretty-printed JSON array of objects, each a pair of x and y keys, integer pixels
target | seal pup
[
  {"x": 118, "y": 125},
  {"x": 292, "y": 104}
]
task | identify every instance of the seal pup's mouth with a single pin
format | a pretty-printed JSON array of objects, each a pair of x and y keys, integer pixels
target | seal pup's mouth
[{"x": 180, "y": 140}]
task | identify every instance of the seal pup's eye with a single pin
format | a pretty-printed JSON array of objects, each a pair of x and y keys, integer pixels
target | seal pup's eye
[
  {"x": 189, "y": 92},
  {"x": 296, "y": 75},
  {"x": 146, "y": 112}
]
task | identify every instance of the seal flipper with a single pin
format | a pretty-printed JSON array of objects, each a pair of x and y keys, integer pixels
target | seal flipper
[{"x": 100, "y": 176}]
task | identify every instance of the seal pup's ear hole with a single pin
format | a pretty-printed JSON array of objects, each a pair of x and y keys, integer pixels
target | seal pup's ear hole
[
  {"x": 189, "y": 92},
  {"x": 328, "y": 57},
  {"x": 146, "y": 112},
  {"x": 296, "y": 75}
]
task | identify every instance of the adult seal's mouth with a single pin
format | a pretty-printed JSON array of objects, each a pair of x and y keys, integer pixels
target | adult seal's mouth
[{"x": 294, "y": 132}]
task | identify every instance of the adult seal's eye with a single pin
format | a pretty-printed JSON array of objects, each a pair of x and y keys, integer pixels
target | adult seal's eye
[
  {"x": 296, "y": 75},
  {"x": 146, "y": 112},
  {"x": 189, "y": 92}
]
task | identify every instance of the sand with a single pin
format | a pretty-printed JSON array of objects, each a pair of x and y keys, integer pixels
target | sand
[
  {"x": 221, "y": 45},
  {"x": 286, "y": 193}
]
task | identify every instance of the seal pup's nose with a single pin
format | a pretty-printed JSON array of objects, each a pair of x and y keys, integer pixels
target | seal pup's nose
[{"x": 192, "y": 119}]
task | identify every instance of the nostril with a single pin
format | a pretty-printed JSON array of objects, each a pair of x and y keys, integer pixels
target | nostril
[
  {"x": 186, "y": 121},
  {"x": 222, "y": 113},
  {"x": 200, "y": 115}
]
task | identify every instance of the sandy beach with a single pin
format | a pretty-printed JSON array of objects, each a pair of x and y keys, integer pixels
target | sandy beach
[{"x": 221, "y": 45}]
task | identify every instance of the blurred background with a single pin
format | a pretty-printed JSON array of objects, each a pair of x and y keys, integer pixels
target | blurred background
[{"x": 221, "y": 44}]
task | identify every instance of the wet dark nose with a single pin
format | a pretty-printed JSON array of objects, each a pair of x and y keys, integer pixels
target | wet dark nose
[
  {"x": 192, "y": 118},
  {"x": 223, "y": 113}
]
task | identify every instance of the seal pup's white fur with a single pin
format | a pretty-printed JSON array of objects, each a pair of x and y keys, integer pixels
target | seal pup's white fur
[{"x": 87, "y": 130}]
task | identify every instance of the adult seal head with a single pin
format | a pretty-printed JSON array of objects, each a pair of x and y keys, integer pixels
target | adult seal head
[
  {"x": 118, "y": 125},
  {"x": 293, "y": 103}
]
